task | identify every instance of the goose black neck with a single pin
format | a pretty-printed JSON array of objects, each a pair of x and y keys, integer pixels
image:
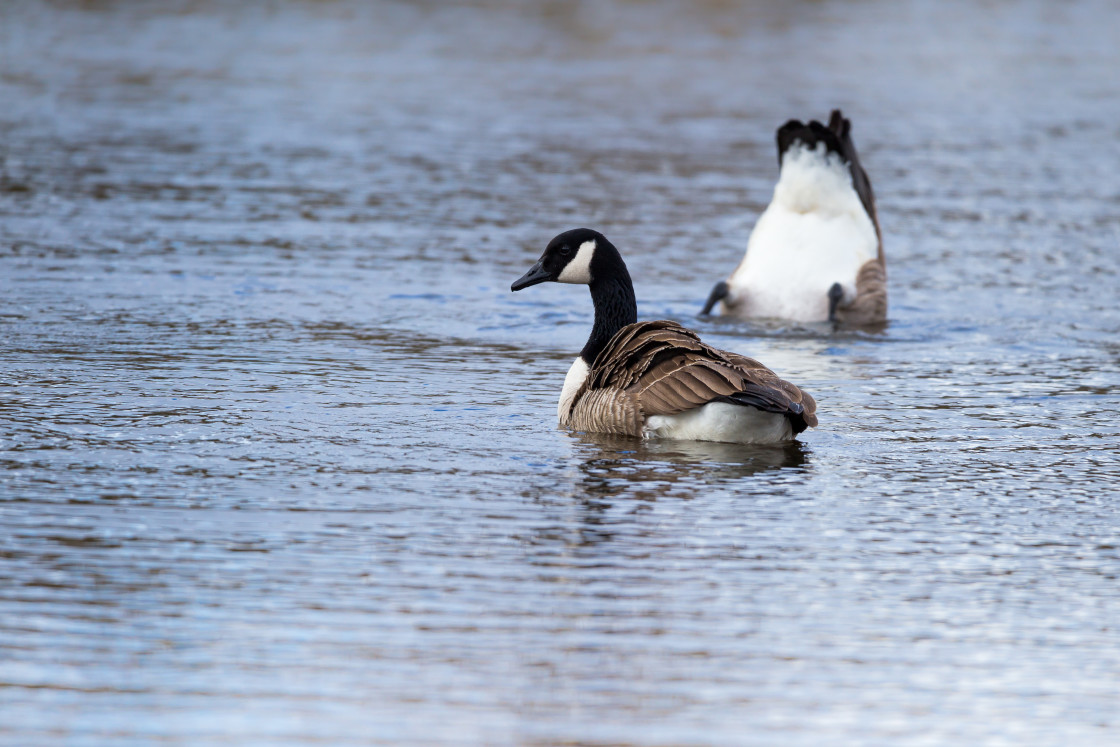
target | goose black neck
[{"x": 615, "y": 307}]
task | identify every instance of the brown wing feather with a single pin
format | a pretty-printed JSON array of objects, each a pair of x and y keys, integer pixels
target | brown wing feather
[
  {"x": 665, "y": 369},
  {"x": 605, "y": 411}
]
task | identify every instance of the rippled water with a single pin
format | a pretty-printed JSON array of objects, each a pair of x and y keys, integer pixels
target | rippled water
[{"x": 277, "y": 448}]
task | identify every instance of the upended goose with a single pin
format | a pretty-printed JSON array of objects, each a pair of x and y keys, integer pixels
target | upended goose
[
  {"x": 816, "y": 253},
  {"x": 656, "y": 379}
]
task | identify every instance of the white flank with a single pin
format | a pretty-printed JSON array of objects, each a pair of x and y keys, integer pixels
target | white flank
[
  {"x": 720, "y": 421},
  {"x": 814, "y": 233},
  {"x": 572, "y": 382},
  {"x": 578, "y": 271}
]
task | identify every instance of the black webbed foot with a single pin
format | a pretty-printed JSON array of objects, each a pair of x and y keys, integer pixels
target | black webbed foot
[
  {"x": 835, "y": 293},
  {"x": 718, "y": 294}
]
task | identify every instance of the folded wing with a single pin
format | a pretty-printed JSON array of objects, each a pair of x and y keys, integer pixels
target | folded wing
[{"x": 665, "y": 369}]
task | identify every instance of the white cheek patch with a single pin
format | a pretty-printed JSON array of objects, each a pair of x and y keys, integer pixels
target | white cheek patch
[{"x": 578, "y": 271}]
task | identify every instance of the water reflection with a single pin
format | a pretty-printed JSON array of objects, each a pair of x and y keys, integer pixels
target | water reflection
[
  {"x": 648, "y": 470},
  {"x": 785, "y": 329}
]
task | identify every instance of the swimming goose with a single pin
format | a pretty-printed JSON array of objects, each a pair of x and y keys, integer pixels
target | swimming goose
[
  {"x": 657, "y": 379},
  {"x": 816, "y": 253}
]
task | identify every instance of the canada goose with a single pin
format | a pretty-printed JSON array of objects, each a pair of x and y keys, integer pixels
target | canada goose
[
  {"x": 816, "y": 253},
  {"x": 649, "y": 379}
]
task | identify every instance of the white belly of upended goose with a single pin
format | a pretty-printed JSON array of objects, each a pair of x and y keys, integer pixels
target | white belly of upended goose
[
  {"x": 814, "y": 233},
  {"x": 715, "y": 421}
]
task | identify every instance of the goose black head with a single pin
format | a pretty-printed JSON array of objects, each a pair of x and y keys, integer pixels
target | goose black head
[
  {"x": 585, "y": 257},
  {"x": 579, "y": 256}
]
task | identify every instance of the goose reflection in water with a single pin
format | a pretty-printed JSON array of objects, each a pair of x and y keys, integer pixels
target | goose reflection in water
[{"x": 648, "y": 470}]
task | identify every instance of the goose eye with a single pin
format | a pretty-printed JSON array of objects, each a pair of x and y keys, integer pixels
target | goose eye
[{"x": 565, "y": 251}]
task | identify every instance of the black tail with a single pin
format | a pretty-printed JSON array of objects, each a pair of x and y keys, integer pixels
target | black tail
[
  {"x": 837, "y": 138},
  {"x": 809, "y": 135},
  {"x": 768, "y": 401}
]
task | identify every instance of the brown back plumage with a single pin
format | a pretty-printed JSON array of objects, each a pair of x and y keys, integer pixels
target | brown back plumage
[{"x": 661, "y": 368}]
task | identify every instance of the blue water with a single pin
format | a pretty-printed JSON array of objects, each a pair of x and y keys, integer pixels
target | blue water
[{"x": 278, "y": 457}]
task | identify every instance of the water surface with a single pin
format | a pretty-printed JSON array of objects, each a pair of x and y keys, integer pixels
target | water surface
[{"x": 278, "y": 462}]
